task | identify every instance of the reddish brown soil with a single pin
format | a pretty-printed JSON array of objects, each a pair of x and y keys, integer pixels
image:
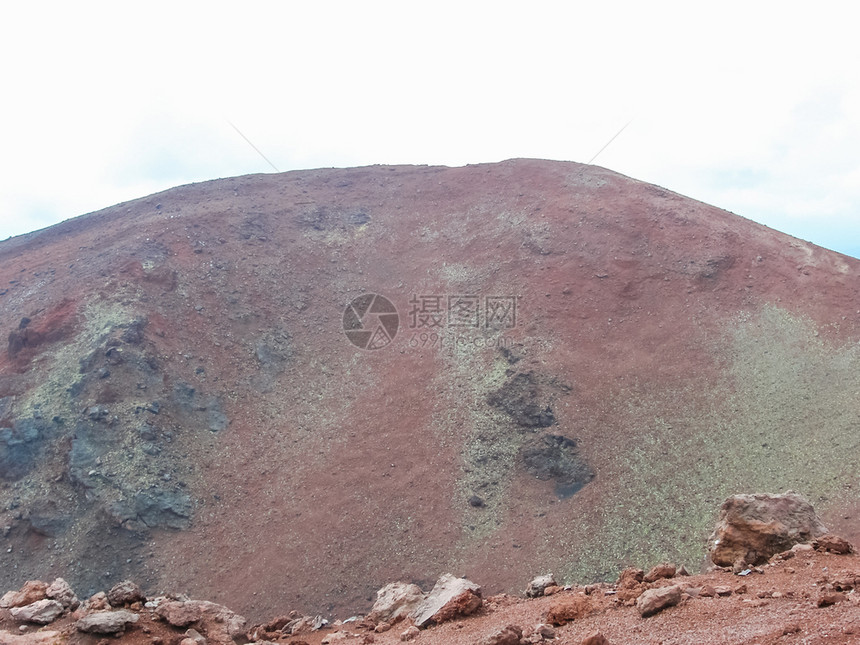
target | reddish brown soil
[
  {"x": 657, "y": 328},
  {"x": 751, "y": 614}
]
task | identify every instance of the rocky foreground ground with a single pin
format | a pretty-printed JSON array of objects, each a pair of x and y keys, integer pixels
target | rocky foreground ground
[
  {"x": 805, "y": 594},
  {"x": 805, "y": 597}
]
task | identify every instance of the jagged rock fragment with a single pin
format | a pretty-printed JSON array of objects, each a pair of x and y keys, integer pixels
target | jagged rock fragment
[
  {"x": 450, "y": 597},
  {"x": 653, "y": 601}
]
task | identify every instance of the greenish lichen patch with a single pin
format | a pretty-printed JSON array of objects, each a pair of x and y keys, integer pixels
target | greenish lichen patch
[
  {"x": 483, "y": 435},
  {"x": 64, "y": 371},
  {"x": 783, "y": 417}
]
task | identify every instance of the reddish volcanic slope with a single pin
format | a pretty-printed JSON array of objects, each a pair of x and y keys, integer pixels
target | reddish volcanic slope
[{"x": 584, "y": 366}]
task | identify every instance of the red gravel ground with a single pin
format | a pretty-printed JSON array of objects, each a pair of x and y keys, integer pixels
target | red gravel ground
[{"x": 780, "y": 605}]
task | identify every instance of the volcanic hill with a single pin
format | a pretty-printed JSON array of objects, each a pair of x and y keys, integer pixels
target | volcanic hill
[{"x": 563, "y": 369}]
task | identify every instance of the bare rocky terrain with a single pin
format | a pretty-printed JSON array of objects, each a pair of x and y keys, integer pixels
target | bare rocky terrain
[
  {"x": 584, "y": 367},
  {"x": 804, "y": 595}
]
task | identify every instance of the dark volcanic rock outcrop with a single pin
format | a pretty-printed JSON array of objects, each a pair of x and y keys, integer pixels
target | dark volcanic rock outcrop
[
  {"x": 582, "y": 363},
  {"x": 519, "y": 397},
  {"x": 556, "y": 457}
]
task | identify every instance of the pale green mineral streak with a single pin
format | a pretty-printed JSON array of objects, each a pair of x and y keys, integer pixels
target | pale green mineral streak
[{"x": 784, "y": 418}]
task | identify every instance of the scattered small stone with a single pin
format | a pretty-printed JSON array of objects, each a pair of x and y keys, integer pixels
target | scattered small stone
[
  {"x": 656, "y": 600},
  {"x": 382, "y": 627},
  {"x": 723, "y": 591},
  {"x": 832, "y": 544},
  {"x": 125, "y": 593},
  {"x": 510, "y": 635},
  {"x": 847, "y": 584},
  {"x": 304, "y": 624},
  {"x": 595, "y": 638},
  {"x": 42, "y": 612},
  {"x": 665, "y": 570},
  {"x": 61, "y": 591},
  {"x": 218, "y": 622},
  {"x": 630, "y": 584},
  {"x": 756, "y": 602},
  {"x": 32, "y": 591},
  {"x": 707, "y": 591},
  {"x": 630, "y": 578},
  {"x": 538, "y": 585},
  {"x": 97, "y": 602},
  {"x": 547, "y": 632},
  {"x": 830, "y": 598},
  {"x": 107, "y": 622},
  {"x": 276, "y": 624},
  {"x": 410, "y": 633},
  {"x": 564, "y": 609},
  {"x": 180, "y": 614}
]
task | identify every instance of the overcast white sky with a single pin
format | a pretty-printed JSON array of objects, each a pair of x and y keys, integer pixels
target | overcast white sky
[{"x": 753, "y": 107}]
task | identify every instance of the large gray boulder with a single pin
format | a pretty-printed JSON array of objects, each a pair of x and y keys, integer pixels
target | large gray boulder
[
  {"x": 395, "y": 601},
  {"x": 42, "y": 612},
  {"x": 107, "y": 622},
  {"x": 656, "y": 600},
  {"x": 451, "y": 597},
  {"x": 32, "y": 591},
  {"x": 125, "y": 593},
  {"x": 218, "y": 623},
  {"x": 752, "y": 528},
  {"x": 61, "y": 591}
]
